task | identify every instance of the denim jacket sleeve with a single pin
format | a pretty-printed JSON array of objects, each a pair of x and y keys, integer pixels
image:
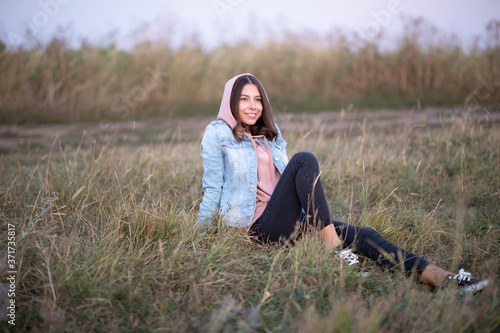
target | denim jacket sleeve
[
  {"x": 213, "y": 165},
  {"x": 281, "y": 146}
]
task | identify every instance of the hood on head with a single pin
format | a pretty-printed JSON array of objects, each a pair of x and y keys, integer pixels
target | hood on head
[{"x": 225, "y": 108}]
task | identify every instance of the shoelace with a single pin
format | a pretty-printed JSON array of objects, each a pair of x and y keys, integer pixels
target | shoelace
[
  {"x": 462, "y": 276},
  {"x": 350, "y": 257}
]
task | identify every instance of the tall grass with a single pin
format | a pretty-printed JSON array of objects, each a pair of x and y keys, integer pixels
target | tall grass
[
  {"x": 56, "y": 83},
  {"x": 118, "y": 251}
]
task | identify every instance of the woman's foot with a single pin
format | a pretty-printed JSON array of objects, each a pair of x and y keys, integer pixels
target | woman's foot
[{"x": 440, "y": 278}]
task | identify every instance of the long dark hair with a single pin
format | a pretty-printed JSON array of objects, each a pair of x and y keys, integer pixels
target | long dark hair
[{"x": 265, "y": 124}]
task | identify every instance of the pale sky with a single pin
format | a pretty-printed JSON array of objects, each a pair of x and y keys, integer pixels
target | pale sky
[{"x": 216, "y": 21}]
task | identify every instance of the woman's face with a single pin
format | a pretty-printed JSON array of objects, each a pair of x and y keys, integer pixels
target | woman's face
[{"x": 250, "y": 105}]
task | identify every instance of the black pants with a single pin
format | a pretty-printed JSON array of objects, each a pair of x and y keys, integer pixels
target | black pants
[{"x": 299, "y": 190}]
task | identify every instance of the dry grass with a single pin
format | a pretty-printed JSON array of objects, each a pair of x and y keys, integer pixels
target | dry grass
[
  {"x": 55, "y": 83},
  {"x": 117, "y": 250}
]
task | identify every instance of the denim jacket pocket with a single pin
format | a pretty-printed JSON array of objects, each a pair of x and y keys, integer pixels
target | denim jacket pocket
[
  {"x": 234, "y": 152},
  {"x": 232, "y": 147},
  {"x": 230, "y": 143}
]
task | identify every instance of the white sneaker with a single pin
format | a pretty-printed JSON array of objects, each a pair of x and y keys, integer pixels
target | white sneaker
[
  {"x": 466, "y": 283},
  {"x": 352, "y": 260},
  {"x": 350, "y": 257}
]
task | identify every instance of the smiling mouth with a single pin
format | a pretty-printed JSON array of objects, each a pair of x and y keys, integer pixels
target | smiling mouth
[{"x": 251, "y": 115}]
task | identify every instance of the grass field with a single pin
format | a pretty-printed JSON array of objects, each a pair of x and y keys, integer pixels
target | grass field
[{"x": 106, "y": 241}]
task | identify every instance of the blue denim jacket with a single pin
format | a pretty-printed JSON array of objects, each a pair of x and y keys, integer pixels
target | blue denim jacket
[{"x": 230, "y": 178}]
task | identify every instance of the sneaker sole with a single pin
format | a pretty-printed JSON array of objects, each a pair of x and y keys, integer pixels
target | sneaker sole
[{"x": 474, "y": 288}]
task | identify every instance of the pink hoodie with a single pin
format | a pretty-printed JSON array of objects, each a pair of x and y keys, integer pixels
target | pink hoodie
[
  {"x": 225, "y": 109},
  {"x": 267, "y": 174}
]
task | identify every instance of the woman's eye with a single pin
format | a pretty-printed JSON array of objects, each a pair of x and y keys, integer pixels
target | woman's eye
[
  {"x": 244, "y": 99},
  {"x": 259, "y": 100}
]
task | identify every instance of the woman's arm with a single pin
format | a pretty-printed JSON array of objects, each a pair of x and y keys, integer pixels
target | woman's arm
[{"x": 213, "y": 176}]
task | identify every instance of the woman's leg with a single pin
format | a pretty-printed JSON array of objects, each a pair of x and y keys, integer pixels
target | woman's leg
[
  {"x": 330, "y": 237},
  {"x": 434, "y": 275},
  {"x": 371, "y": 244},
  {"x": 299, "y": 188}
]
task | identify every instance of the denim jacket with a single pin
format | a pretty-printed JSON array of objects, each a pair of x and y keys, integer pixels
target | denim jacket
[{"x": 230, "y": 177}]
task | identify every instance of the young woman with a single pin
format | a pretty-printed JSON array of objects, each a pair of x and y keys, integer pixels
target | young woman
[{"x": 250, "y": 182}]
